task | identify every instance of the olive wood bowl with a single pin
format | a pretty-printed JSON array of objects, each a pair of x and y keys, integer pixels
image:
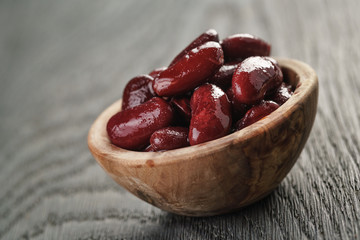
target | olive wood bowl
[{"x": 221, "y": 175}]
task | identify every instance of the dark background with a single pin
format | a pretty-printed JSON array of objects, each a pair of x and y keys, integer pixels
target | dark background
[{"x": 63, "y": 62}]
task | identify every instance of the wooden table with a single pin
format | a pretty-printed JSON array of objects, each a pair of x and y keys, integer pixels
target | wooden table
[{"x": 63, "y": 62}]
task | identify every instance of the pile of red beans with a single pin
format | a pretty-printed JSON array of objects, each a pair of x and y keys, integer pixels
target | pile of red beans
[{"x": 210, "y": 89}]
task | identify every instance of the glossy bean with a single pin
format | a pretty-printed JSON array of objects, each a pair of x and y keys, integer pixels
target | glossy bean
[
  {"x": 209, "y": 36},
  {"x": 281, "y": 94},
  {"x": 238, "y": 109},
  {"x": 192, "y": 70},
  {"x": 211, "y": 114},
  {"x": 254, "y": 77},
  {"x": 149, "y": 149},
  {"x": 131, "y": 129},
  {"x": 154, "y": 73},
  {"x": 241, "y": 46},
  {"x": 137, "y": 91},
  {"x": 181, "y": 106},
  {"x": 169, "y": 138},
  {"x": 256, "y": 113},
  {"x": 223, "y": 77}
]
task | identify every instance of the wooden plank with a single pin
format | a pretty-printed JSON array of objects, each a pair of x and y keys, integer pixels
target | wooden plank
[{"x": 63, "y": 62}]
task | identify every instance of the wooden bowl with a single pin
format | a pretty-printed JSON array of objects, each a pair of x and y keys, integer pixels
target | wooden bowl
[{"x": 222, "y": 175}]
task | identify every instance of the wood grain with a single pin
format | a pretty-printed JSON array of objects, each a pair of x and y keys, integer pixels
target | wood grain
[{"x": 63, "y": 62}]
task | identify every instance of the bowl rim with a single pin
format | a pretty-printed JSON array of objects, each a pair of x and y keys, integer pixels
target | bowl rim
[{"x": 101, "y": 147}]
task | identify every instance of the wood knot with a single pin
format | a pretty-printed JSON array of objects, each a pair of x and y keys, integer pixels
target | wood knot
[{"x": 150, "y": 163}]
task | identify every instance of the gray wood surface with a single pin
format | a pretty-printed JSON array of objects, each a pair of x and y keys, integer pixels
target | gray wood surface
[{"x": 63, "y": 62}]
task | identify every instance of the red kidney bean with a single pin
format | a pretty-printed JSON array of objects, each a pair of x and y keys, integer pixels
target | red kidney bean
[
  {"x": 281, "y": 94},
  {"x": 256, "y": 113},
  {"x": 181, "y": 106},
  {"x": 241, "y": 46},
  {"x": 223, "y": 77},
  {"x": 131, "y": 129},
  {"x": 154, "y": 73},
  {"x": 137, "y": 91},
  {"x": 190, "y": 71},
  {"x": 238, "y": 109},
  {"x": 211, "y": 114},
  {"x": 208, "y": 36},
  {"x": 169, "y": 138},
  {"x": 149, "y": 149},
  {"x": 254, "y": 77}
]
